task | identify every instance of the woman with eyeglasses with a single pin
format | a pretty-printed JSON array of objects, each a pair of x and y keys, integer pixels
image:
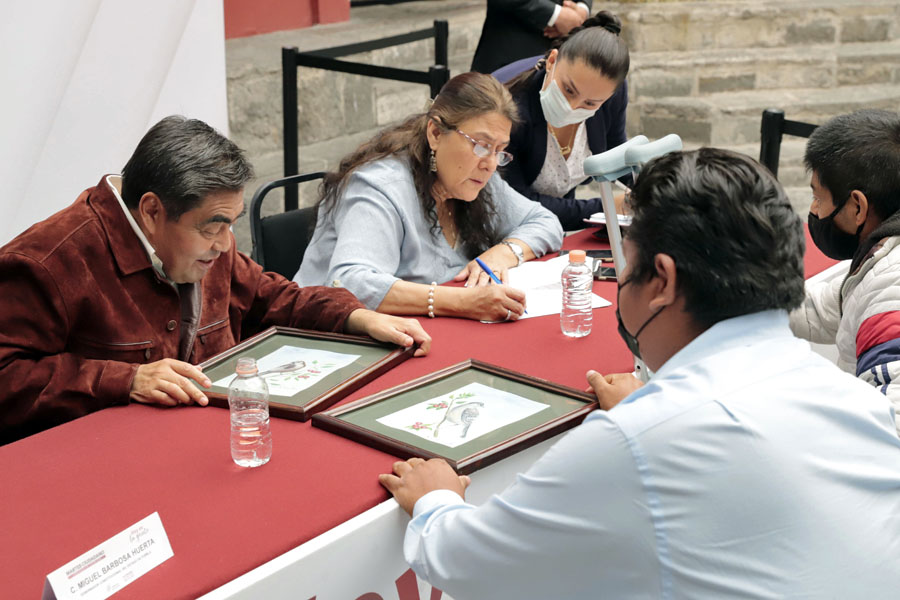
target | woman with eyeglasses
[
  {"x": 415, "y": 205},
  {"x": 572, "y": 105}
]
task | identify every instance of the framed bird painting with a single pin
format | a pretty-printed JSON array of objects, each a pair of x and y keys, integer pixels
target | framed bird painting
[
  {"x": 305, "y": 371},
  {"x": 470, "y": 414}
]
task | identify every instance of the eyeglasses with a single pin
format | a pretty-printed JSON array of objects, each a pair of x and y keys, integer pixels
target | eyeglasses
[{"x": 482, "y": 150}]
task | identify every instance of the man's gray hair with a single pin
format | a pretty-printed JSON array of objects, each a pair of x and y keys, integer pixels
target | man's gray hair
[{"x": 183, "y": 161}]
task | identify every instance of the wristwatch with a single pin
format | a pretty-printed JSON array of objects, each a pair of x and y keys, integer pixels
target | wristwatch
[{"x": 517, "y": 250}]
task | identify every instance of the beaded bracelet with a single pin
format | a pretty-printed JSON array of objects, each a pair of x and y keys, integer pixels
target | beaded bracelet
[{"x": 431, "y": 299}]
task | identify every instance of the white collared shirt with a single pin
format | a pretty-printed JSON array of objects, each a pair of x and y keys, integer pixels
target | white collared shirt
[
  {"x": 748, "y": 466},
  {"x": 115, "y": 182},
  {"x": 558, "y": 8}
]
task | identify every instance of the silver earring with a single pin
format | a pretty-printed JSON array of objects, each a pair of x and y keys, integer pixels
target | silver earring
[{"x": 432, "y": 163}]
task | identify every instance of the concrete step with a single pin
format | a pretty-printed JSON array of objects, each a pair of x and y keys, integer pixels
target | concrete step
[
  {"x": 334, "y": 104},
  {"x": 791, "y": 170},
  {"x": 702, "y": 72},
  {"x": 733, "y": 118},
  {"x": 733, "y": 55},
  {"x": 337, "y": 112},
  {"x": 396, "y": 100},
  {"x": 791, "y": 173},
  {"x": 869, "y": 63},
  {"x": 660, "y": 26}
]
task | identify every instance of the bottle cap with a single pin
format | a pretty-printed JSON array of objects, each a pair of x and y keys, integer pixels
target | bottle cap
[
  {"x": 246, "y": 366},
  {"x": 576, "y": 256}
]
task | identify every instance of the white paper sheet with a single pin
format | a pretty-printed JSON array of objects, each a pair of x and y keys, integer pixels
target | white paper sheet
[
  {"x": 105, "y": 569},
  {"x": 599, "y": 218},
  {"x": 542, "y": 283}
]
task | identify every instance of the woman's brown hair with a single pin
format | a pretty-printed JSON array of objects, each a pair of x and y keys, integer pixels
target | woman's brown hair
[{"x": 465, "y": 96}]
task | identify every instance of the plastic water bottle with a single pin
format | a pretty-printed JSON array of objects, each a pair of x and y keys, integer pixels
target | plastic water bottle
[
  {"x": 248, "y": 401},
  {"x": 577, "y": 281}
]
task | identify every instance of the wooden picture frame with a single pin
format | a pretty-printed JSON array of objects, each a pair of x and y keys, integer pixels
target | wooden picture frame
[
  {"x": 359, "y": 420},
  {"x": 373, "y": 359}
]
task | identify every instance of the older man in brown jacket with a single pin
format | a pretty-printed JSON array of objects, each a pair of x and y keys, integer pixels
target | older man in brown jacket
[{"x": 117, "y": 297}]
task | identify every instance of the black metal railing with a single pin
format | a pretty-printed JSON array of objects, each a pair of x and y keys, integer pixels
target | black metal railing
[
  {"x": 773, "y": 127},
  {"x": 291, "y": 58}
]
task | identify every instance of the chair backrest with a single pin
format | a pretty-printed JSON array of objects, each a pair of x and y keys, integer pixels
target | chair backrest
[
  {"x": 280, "y": 240},
  {"x": 505, "y": 73},
  {"x": 772, "y": 128}
]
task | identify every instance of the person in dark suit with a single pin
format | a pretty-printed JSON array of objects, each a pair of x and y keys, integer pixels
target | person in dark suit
[
  {"x": 571, "y": 105},
  {"x": 515, "y": 29}
]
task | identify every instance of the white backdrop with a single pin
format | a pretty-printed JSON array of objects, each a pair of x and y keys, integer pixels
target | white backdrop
[{"x": 82, "y": 80}]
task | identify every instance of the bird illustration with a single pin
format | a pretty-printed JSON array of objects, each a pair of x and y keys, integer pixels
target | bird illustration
[
  {"x": 285, "y": 368},
  {"x": 461, "y": 414}
]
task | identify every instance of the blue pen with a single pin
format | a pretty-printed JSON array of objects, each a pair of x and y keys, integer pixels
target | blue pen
[
  {"x": 490, "y": 273},
  {"x": 487, "y": 270}
]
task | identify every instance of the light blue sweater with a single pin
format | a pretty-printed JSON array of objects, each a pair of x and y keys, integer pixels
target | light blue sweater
[
  {"x": 378, "y": 234},
  {"x": 748, "y": 467}
]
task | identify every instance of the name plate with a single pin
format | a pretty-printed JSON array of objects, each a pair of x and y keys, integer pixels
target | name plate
[{"x": 105, "y": 569}]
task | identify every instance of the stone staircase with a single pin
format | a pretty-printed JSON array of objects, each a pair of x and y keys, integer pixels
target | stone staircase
[
  {"x": 707, "y": 70},
  {"x": 337, "y": 111},
  {"x": 703, "y": 69}
]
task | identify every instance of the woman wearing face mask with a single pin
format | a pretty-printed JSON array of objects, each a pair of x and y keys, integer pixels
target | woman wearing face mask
[
  {"x": 418, "y": 203},
  {"x": 572, "y": 105}
]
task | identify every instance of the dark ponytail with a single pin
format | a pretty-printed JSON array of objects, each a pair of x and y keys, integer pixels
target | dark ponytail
[{"x": 596, "y": 42}]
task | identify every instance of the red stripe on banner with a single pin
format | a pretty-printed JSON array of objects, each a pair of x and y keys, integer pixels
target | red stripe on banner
[
  {"x": 876, "y": 330},
  {"x": 408, "y": 586}
]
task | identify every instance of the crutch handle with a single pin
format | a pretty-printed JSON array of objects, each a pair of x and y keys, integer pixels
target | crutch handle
[
  {"x": 637, "y": 156},
  {"x": 610, "y": 165}
]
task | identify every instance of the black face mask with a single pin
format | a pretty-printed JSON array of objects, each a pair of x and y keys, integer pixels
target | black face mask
[
  {"x": 631, "y": 340},
  {"x": 833, "y": 242}
]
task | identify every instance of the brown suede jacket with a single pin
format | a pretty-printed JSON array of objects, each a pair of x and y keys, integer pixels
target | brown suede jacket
[{"x": 81, "y": 307}]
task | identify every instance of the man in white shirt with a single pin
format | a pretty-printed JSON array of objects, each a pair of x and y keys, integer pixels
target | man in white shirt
[{"x": 748, "y": 466}]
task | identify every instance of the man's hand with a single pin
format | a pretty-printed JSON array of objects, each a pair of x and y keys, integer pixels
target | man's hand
[
  {"x": 387, "y": 328},
  {"x": 582, "y": 11},
  {"x": 570, "y": 16},
  {"x": 167, "y": 382},
  {"x": 612, "y": 389},
  {"x": 416, "y": 477}
]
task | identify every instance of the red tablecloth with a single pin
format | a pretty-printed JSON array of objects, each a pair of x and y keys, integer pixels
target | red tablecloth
[{"x": 72, "y": 487}]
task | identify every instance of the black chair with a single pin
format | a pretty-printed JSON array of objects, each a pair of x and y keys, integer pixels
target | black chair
[
  {"x": 772, "y": 128},
  {"x": 280, "y": 240}
]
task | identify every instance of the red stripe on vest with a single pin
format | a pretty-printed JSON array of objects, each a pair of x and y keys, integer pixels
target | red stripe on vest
[{"x": 876, "y": 330}]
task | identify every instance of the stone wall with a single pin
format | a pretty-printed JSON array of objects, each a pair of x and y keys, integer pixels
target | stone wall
[
  {"x": 703, "y": 69},
  {"x": 336, "y": 111}
]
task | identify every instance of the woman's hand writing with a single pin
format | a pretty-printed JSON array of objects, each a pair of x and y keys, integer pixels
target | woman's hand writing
[{"x": 494, "y": 303}]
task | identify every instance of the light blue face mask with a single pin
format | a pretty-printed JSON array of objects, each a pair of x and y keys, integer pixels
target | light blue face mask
[{"x": 556, "y": 108}]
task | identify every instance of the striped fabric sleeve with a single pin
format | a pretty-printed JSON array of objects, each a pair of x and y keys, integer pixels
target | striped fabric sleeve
[{"x": 878, "y": 341}]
